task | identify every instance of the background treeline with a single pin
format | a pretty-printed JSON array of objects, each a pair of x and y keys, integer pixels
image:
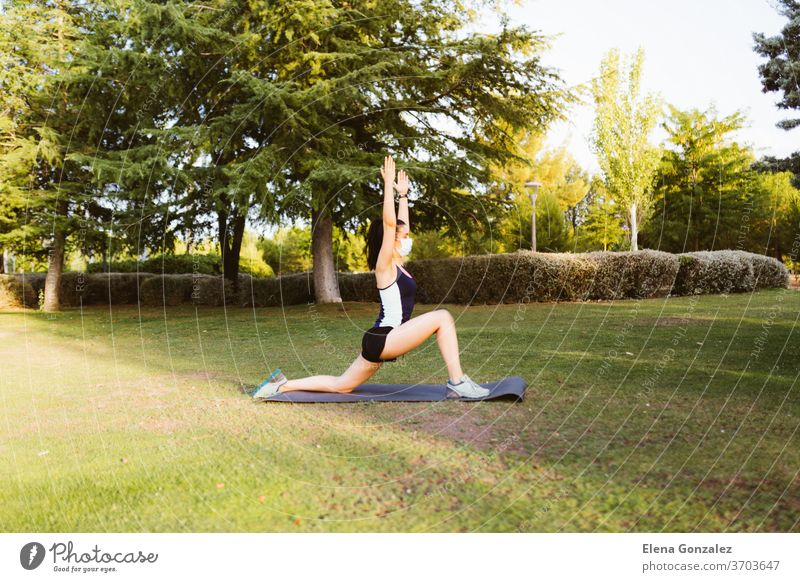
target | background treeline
[{"x": 144, "y": 135}]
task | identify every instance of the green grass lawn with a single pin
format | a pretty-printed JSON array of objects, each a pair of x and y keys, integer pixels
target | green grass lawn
[{"x": 676, "y": 414}]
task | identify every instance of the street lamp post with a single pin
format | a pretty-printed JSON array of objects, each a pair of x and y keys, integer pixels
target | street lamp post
[{"x": 535, "y": 185}]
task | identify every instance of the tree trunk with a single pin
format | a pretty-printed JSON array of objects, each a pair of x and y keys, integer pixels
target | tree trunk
[
  {"x": 634, "y": 229},
  {"x": 3, "y": 261},
  {"x": 326, "y": 285},
  {"x": 55, "y": 265},
  {"x": 230, "y": 244}
]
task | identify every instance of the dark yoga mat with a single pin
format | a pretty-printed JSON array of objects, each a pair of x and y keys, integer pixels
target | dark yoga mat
[{"x": 510, "y": 388}]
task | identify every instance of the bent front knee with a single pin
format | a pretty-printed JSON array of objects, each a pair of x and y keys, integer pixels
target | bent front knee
[{"x": 445, "y": 318}]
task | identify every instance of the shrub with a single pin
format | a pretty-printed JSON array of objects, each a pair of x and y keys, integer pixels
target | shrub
[
  {"x": 768, "y": 272},
  {"x": 165, "y": 290},
  {"x": 632, "y": 274},
  {"x": 713, "y": 272},
  {"x": 36, "y": 281},
  {"x": 74, "y": 289},
  {"x": 285, "y": 290},
  {"x": 505, "y": 278},
  {"x": 114, "y": 288},
  {"x": 358, "y": 287},
  {"x": 78, "y": 289},
  {"x": 15, "y": 292},
  {"x": 728, "y": 272},
  {"x": 212, "y": 291},
  {"x": 526, "y": 276}
]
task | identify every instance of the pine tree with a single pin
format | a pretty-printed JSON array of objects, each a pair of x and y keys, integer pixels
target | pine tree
[
  {"x": 370, "y": 78},
  {"x": 703, "y": 185},
  {"x": 779, "y": 73},
  {"x": 48, "y": 201}
]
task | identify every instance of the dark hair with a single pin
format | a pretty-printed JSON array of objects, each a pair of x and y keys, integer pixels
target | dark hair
[{"x": 375, "y": 240}]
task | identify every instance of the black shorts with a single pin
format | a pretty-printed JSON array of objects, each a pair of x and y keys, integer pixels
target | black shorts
[{"x": 372, "y": 343}]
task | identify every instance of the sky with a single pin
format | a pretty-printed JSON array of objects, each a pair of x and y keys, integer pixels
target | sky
[{"x": 697, "y": 53}]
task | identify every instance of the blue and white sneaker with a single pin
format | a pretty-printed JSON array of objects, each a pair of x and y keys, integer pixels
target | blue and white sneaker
[
  {"x": 271, "y": 386},
  {"x": 466, "y": 389}
]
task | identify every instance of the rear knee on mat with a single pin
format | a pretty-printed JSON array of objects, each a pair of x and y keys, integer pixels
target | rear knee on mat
[{"x": 344, "y": 386}]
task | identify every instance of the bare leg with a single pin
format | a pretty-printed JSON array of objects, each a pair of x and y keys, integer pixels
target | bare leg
[
  {"x": 416, "y": 330},
  {"x": 358, "y": 373}
]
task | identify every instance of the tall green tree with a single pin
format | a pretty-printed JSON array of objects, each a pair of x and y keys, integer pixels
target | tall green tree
[
  {"x": 704, "y": 184},
  {"x": 181, "y": 160},
  {"x": 779, "y": 74},
  {"x": 601, "y": 221},
  {"x": 624, "y": 120},
  {"x": 48, "y": 200},
  {"x": 775, "y": 220},
  {"x": 407, "y": 78}
]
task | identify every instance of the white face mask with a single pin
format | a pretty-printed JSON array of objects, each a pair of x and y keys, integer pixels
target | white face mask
[{"x": 405, "y": 246}]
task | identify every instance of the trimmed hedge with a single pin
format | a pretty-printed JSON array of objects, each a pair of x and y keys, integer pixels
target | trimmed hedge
[
  {"x": 506, "y": 278},
  {"x": 165, "y": 290},
  {"x": 170, "y": 290},
  {"x": 525, "y": 276},
  {"x": 728, "y": 272},
  {"x": 286, "y": 290},
  {"x": 212, "y": 291},
  {"x": 14, "y": 292},
  {"x": 100, "y": 288}
]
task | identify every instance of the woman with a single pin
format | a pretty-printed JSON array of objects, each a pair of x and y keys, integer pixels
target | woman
[{"x": 395, "y": 332}]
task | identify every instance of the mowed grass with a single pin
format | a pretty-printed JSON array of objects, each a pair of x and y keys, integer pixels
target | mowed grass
[{"x": 676, "y": 414}]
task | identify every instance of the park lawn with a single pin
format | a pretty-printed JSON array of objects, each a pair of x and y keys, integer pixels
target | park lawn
[{"x": 677, "y": 414}]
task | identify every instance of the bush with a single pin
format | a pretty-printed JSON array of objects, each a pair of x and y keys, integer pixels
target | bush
[
  {"x": 727, "y": 272},
  {"x": 212, "y": 291},
  {"x": 632, "y": 274},
  {"x": 166, "y": 290},
  {"x": 358, "y": 287},
  {"x": 526, "y": 276},
  {"x": 768, "y": 272},
  {"x": 36, "y": 281},
  {"x": 287, "y": 290},
  {"x": 114, "y": 288},
  {"x": 74, "y": 289},
  {"x": 16, "y": 292},
  {"x": 505, "y": 278},
  {"x": 78, "y": 289}
]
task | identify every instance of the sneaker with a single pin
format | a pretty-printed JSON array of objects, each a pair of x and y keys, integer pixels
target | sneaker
[
  {"x": 271, "y": 386},
  {"x": 467, "y": 389}
]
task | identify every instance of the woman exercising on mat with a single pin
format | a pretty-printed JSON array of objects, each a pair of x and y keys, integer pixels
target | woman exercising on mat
[{"x": 395, "y": 332}]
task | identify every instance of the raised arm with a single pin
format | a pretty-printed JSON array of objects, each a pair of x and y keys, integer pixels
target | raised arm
[
  {"x": 402, "y": 191},
  {"x": 388, "y": 173},
  {"x": 384, "y": 263}
]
